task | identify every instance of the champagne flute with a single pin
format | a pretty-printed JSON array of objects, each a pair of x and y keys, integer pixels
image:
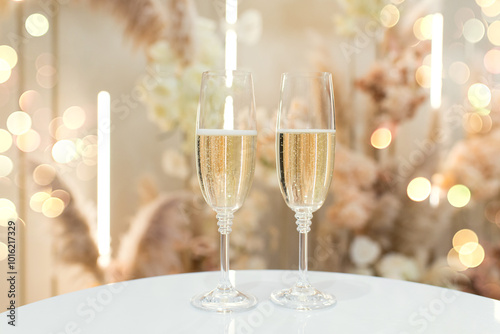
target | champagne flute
[
  {"x": 305, "y": 149},
  {"x": 226, "y": 139}
]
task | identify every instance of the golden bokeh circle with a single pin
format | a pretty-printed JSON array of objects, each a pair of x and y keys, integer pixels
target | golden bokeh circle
[
  {"x": 419, "y": 189},
  {"x": 459, "y": 195},
  {"x": 18, "y": 122},
  {"x": 381, "y": 138},
  {"x": 37, "y": 200},
  {"x": 52, "y": 207},
  {"x": 463, "y": 237},
  {"x": 28, "y": 141},
  {"x": 44, "y": 174},
  {"x": 5, "y": 140}
]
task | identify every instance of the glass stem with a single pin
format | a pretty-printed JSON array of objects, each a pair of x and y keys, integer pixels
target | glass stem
[
  {"x": 225, "y": 221},
  {"x": 303, "y": 226}
]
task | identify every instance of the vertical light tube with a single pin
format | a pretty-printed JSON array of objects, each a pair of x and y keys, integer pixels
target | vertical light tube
[
  {"x": 103, "y": 177},
  {"x": 231, "y": 36},
  {"x": 436, "y": 60},
  {"x": 228, "y": 114}
]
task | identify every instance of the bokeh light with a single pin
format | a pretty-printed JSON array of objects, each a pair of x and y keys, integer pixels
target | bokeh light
[
  {"x": 8, "y": 54},
  {"x": 419, "y": 189},
  {"x": 422, "y": 28},
  {"x": 479, "y": 95},
  {"x": 463, "y": 237},
  {"x": 44, "y": 174},
  {"x": 461, "y": 16},
  {"x": 63, "y": 132},
  {"x": 473, "y": 30},
  {"x": 63, "y": 195},
  {"x": 64, "y": 151},
  {"x": 54, "y": 125},
  {"x": 484, "y": 3},
  {"x": 381, "y": 138},
  {"x": 74, "y": 117},
  {"x": 28, "y": 141},
  {"x": 37, "y": 25},
  {"x": 492, "y": 10},
  {"x": 5, "y": 71},
  {"x": 389, "y": 16},
  {"x": 46, "y": 76},
  {"x": 494, "y": 33},
  {"x": 44, "y": 59},
  {"x": 4, "y": 251},
  {"x": 459, "y": 196},
  {"x": 5, "y": 140},
  {"x": 486, "y": 122},
  {"x": 423, "y": 76},
  {"x": 459, "y": 72},
  {"x": 37, "y": 200},
  {"x": 18, "y": 122},
  {"x": 7, "y": 203},
  {"x": 29, "y": 100},
  {"x": 8, "y": 211},
  {"x": 492, "y": 212},
  {"x": 454, "y": 261},
  {"x": 473, "y": 123},
  {"x": 492, "y": 61},
  {"x": 52, "y": 207},
  {"x": 471, "y": 254},
  {"x": 6, "y": 166}
]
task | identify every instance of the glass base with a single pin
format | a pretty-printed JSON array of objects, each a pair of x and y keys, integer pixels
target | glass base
[
  {"x": 303, "y": 298},
  {"x": 224, "y": 300}
]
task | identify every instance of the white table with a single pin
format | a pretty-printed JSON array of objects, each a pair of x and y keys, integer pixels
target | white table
[{"x": 161, "y": 305}]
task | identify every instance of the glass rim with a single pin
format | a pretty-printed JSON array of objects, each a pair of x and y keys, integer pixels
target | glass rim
[
  {"x": 224, "y": 72},
  {"x": 310, "y": 74}
]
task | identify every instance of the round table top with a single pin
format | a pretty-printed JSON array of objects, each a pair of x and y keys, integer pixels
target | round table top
[{"x": 365, "y": 304}]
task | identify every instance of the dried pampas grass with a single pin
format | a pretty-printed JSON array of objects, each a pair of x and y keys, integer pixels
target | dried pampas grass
[
  {"x": 74, "y": 242},
  {"x": 148, "y": 21},
  {"x": 144, "y": 20},
  {"x": 155, "y": 240}
]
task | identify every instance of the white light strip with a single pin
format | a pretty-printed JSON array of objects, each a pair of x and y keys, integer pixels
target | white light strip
[
  {"x": 231, "y": 36},
  {"x": 231, "y": 11},
  {"x": 103, "y": 177},
  {"x": 436, "y": 60},
  {"x": 228, "y": 114},
  {"x": 231, "y": 53}
]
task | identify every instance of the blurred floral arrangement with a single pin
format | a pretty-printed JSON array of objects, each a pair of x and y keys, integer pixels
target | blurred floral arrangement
[
  {"x": 370, "y": 225},
  {"x": 172, "y": 98},
  {"x": 172, "y": 232},
  {"x": 375, "y": 224}
]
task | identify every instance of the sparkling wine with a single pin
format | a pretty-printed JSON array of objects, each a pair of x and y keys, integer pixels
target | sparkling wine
[
  {"x": 305, "y": 166},
  {"x": 225, "y": 161}
]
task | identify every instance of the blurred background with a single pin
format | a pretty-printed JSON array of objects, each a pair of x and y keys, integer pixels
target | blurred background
[{"x": 97, "y": 108}]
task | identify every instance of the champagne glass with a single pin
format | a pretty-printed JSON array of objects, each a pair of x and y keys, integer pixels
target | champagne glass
[
  {"x": 305, "y": 149},
  {"x": 226, "y": 139}
]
